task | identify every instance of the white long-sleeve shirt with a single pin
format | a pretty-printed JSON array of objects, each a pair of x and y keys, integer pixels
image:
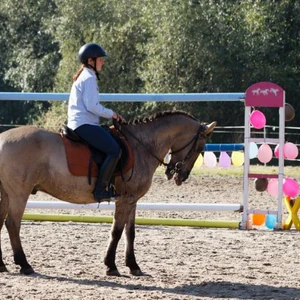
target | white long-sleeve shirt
[{"x": 84, "y": 106}]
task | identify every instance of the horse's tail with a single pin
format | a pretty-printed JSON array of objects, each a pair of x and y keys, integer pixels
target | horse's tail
[{"x": 3, "y": 205}]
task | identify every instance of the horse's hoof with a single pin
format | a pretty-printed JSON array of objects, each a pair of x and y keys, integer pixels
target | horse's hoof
[
  {"x": 3, "y": 269},
  {"x": 136, "y": 272},
  {"x": 113, "y": 273},
  {"x": 27, "y": 271}
]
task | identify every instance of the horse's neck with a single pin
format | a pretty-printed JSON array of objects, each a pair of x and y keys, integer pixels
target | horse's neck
[{"x": 159, "y": 135}]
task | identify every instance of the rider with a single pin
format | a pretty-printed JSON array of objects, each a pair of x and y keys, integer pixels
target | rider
[{"x": 84, "y": 111}]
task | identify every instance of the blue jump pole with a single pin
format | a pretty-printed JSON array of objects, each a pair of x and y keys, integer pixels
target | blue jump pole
[{"x": 223, "y": 147}]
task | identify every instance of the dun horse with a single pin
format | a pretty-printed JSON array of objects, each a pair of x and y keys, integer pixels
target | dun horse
[{"x": 33, "y": 159}]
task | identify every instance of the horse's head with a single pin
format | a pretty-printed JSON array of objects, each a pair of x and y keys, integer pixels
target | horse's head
[{"x": 185, "y": 152}]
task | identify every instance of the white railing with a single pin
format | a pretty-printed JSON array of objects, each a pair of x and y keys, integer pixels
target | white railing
[{"x": 192, "y": 97}]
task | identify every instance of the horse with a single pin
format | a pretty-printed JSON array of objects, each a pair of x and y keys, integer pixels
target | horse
[{"x": 34, "y": 159}]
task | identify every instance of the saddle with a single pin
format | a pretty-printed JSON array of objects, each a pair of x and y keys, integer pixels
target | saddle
[{"x": 83, "y": 160}]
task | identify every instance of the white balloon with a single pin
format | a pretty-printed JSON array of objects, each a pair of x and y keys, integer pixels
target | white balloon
[
  {"x": 210, "y": 159},
  {"x": 253, "y": 150}
]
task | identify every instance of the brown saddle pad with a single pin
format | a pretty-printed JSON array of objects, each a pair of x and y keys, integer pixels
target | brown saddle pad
[{"x": 79, "y": 155}]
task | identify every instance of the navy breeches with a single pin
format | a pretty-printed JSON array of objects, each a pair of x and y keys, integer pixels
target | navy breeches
[{"x": 99, "y": 138}]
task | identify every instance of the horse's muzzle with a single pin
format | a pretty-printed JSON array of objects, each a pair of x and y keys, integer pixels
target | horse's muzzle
[
  {"x": 180, "y": 177},
  {"x": 170, "y": 172}
]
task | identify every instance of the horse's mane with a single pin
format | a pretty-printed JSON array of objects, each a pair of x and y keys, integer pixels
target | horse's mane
[{"x": 160, "y": 114}]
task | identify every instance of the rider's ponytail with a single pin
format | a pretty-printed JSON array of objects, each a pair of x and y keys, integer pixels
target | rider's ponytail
[{"x": 78, "y": 73}]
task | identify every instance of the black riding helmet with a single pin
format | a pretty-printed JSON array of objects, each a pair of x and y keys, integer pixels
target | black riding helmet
[{"x": 90, "y": 50}]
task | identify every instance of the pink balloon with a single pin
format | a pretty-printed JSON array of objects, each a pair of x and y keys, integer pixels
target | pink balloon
[
  {"x": 290, "y": 187},
  {"x": 276, "y": 152},
  {"x": 264, "y": 153},
  {"x": 224, "y": 160},
  {"x": 273, "y": 187},
  {"x": 290, "y": 150},
  {"x": 257, "y": 119}
]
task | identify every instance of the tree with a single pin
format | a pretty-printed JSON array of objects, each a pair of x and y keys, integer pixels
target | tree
[
  {"x": 120, "y": 34},
  {"x": 30, "y": 55},
  {"x": 33, "y": 53},
  {"x": 155, "y": 47}
]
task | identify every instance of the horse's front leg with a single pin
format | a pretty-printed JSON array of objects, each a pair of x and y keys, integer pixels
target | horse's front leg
[
  {"x": 130, "y": 260},
  {"x": 124, "y": 215},
  {"x": 115, "y": 235}
]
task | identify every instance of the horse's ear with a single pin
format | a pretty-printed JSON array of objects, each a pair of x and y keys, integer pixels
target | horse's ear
[{"x": 209, "y": 128}]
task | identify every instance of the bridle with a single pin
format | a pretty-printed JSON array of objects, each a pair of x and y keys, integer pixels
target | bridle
[
  {"x": 171, "y": 168},
  {"x": 176, "y": 167}
]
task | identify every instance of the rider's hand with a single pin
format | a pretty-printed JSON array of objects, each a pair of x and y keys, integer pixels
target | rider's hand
[{"x": 118, "y": 117}]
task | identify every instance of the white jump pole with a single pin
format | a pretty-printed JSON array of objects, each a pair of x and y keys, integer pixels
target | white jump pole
[{"x": 140, "y": 206}]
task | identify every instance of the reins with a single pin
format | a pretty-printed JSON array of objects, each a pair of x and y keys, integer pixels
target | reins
[
  {"x": 119, "y": 128},
  {"x": 174, "y": 168}
]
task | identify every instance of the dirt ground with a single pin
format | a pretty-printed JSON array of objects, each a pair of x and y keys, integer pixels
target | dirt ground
[{"x": 179, "y": 262}]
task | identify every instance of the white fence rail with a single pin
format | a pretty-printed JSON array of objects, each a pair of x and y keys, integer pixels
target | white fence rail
[{"x": 192, "y": 97}]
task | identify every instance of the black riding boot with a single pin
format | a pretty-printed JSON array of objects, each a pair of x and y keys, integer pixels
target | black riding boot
[{"x": 101, "y": 190}]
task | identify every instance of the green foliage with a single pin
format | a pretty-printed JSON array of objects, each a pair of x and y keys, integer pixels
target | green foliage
[
  {"x": 29, "y": 56},
  {"x": 32, "y": 55},
  {"x": 54, "y": 118},
  {"x": 154, "y": 47}
]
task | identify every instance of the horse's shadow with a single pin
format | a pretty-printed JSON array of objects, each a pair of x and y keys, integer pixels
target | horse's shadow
[{"x": 211, "y": 289}]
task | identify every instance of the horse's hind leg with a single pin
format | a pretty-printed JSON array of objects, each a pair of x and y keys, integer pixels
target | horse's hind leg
[
  {"x": 13, "y": 225},
  {"x": 3, "y": 214}
]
